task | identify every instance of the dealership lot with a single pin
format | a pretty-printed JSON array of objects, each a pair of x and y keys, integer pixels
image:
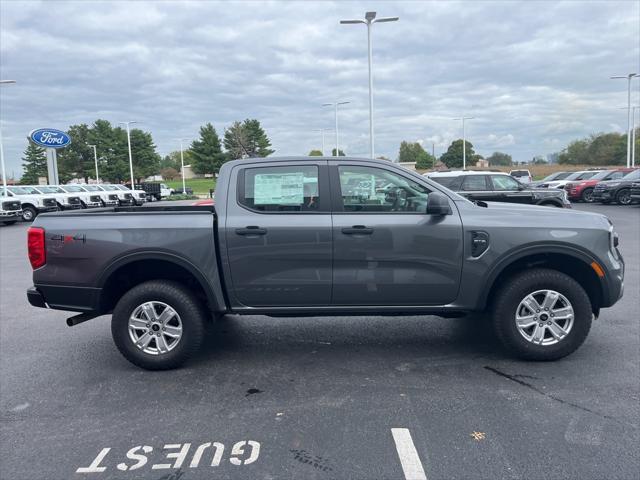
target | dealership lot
[{"x": 348, "y": 397}]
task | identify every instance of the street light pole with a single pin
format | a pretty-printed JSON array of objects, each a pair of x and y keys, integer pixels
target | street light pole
[
  {"x": 370, "y": 19},
  {"x": 4, "y": 173},
  {"x": 95, "y": 157},
  {"x": 322, "y": 130},
  {"x": 130, "y": 157},
  {"x": 633, "y": 134},
  {"x": 629, "y": 77},
  {"x": 184, "y": 185},
  {"x": 464, "y": 140},
  {"x": 335, "y": 104}
]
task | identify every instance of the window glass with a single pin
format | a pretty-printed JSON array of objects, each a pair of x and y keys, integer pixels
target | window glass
[
  {"x": 504, "y": 182},
  {"x": 586, "y": 175},
  {"x": 452, "y": 183},
  {"x": 474, "y": 183},
  {"x": 72, "y": 188},
  {"x": 369, "y": 189},
  {"x": 281, "y": 189},
  {"x": 612, "y": 176},
  {"x": 91, "y": 188},
  {"x": 633, "y": 175}
]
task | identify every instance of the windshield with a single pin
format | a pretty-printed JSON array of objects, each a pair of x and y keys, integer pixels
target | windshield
[
  {"x": 580, "y": 175},
  {"x": 17, "y": 190},
  {"x": 122, "y": 187},
  {"x": 92, "y": 188},
  {"x": 110, "y": 188},
  {"x": 51, "y": 190},
  {"x": 635, "y": 175},
  {"x": 73, "y": 188}
]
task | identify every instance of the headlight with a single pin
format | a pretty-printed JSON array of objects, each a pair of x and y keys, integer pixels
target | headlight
[{"x": 613, "y": 242}]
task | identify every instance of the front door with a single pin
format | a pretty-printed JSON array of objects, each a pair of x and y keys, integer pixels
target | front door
[
  {"x": 278, "y": 234},
  {"x": 387, "y": 250}
]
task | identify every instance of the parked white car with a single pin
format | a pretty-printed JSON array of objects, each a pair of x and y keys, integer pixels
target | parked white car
[
  {"x": 522, "y": 175},
  {"x": 106, "y": 197},
  {"x": 139, "y": 196},
  {"x": 33, "y": 202},
  {"x": 65, "y": 200},
  {"x": 88, "y": 199},
  {"x": 10, "y": 209}
]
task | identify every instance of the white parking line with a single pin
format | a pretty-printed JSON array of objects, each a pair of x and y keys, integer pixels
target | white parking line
[{"x": 409, "y": 459}]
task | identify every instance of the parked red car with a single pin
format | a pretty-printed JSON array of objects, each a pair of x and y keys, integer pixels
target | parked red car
[{"x": 582, "y": 190}]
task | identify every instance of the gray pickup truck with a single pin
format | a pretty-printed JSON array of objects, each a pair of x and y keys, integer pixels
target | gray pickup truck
[{"x": 326, "y": 236}]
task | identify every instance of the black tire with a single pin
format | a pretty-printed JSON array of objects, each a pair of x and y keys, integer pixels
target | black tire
[
  {"x": 623, "y": 197},
  {"x": 29, "y": 214},
  {"x": 508, "y": 298},
  {"x": 587, "y": 195},
  {"x": 187, "y": 306}
]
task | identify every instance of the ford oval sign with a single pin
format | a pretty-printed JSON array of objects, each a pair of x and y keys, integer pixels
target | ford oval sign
[{"x": 50, "y": 138}]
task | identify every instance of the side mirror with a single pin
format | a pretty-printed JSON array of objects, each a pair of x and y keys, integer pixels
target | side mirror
[{"x": 438, "y": 204}]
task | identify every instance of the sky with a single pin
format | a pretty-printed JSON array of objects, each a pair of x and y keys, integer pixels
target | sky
[{"x": 535, "y": 75}]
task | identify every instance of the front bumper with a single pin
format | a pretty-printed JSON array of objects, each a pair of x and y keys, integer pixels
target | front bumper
[
  {"x": 600, "y": 195},
  {"x": 10, "y": 213},
  {"x": 47, "y": 209}
]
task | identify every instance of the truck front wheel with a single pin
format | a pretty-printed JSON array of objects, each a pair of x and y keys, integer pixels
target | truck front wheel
[
  {"x": 542, "y": 314},
  {"x": 158, "y": 325}
]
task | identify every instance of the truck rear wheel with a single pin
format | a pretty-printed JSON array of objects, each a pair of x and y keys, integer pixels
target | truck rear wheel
[
  {"x": 158, "y": 325},
  {"x": 542, "y": 314}
]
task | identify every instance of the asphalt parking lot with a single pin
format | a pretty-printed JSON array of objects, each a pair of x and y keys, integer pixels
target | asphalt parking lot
[{"x": 318, "y": 398}]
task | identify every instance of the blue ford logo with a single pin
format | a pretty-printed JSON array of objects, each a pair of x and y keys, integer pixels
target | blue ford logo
[{"x": 50, "y": 138}]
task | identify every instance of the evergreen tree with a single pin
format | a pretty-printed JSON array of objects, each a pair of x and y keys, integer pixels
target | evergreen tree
[
  {"x": 333, "y": 153},
  {"x": 315, "y": 153},
  {"x": 206, "y": 154},
  {"x": 246, "y": 140},
  {"x": 34, "y": 163}
]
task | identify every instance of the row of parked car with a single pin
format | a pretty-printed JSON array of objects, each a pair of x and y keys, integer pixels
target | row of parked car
[
  {"x": 598, "y": 185},
  {"x": 26, "y": 202},
  {"x": 621, "y": 185}
]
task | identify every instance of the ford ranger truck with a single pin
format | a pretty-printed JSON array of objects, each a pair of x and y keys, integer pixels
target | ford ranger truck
[{"x": 314, "y": 237}]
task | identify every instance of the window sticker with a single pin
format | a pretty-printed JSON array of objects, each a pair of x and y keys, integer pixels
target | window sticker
[{"x": 279, "y": 188}]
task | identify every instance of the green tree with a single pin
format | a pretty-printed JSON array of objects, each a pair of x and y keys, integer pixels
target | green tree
[
  {"x": 76, "y": 160},
  {"x": 452, "y": 158},
  {"x": 413, "y": 152},
  {"x": 499, "y": 159},
  {"x": 206, "y": 153},
  {"x": 146, "y": 160},
  {"x": 34, "y": 163},
  {"x": 247, "y": 140},
  {"x": 607, "y": 149},
  {"x": 315, "y": 153},
  {"x": 172, "y": 160},
  {"x": 333, "y": 153}
]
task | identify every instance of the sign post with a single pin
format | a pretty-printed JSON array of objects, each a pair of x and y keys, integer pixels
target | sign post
[{"x": 51, "y": 139}]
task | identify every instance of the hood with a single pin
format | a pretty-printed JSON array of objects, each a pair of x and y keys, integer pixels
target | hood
[{"x": 553, "y": 216}]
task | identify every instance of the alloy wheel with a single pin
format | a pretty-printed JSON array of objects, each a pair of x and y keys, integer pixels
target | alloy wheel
[
  {"x": 544, "y": 317},
  {"x": 155, "y": 328}
]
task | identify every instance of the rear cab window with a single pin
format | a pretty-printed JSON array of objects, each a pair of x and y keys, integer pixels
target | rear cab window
[{"x": 273, "y": 189}]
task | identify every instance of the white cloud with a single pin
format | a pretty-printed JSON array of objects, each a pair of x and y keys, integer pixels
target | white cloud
[{"x": 534, "y": 74}]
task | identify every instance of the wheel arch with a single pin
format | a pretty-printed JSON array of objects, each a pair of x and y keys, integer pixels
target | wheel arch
[
  {"x": 133, "y": 269},
  {"x": 572, "y": 262}
]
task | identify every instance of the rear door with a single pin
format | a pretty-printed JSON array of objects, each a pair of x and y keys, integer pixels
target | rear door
[
  {"x": 387, "y": 250},
  {"x": 476, "y": 187},
  {"x": 278, "y": 234},
  {"x": 507, "y": 189}
]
